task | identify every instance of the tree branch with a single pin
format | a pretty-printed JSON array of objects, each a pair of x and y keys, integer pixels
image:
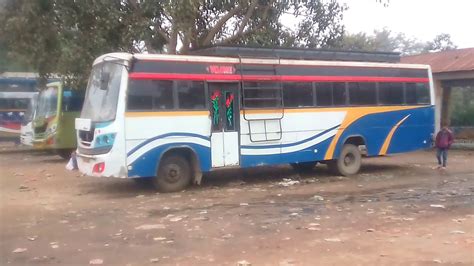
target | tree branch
[
  {"x": 220, "y": 23},
  {"x": 249, "y": 31},
  {"x": 246, "y": 19}
]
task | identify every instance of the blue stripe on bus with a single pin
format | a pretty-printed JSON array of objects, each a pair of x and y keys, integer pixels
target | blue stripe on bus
[
  {"x": 174, "y": 134},
  {"x": 374, "y": 128},
  {"x": 289, "y": 144},
  {"x": 309, "y": 154},
  {"x": 147, "y": 164}
]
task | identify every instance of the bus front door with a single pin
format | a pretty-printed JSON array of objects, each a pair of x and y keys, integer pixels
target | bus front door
[{"x": 225, "y": 118}]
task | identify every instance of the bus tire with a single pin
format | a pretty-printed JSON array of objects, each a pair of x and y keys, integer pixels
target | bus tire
[
  {"x": 64, "y": 153},
  {"x": 304, "y": 166},
  {"x": 349, "y": 161},
  {"x": 174, "y": 174}
]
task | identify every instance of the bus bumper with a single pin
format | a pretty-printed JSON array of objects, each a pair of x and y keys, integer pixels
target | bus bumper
[{"x": 100, "y": 166}]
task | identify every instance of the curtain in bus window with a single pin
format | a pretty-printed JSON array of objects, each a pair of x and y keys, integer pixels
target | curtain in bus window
[
  {"x": 417, "y": 93},
  {"x": 297, "y": 94},
  {"x": 323, "y": 94},
  {"x": 191, "y": 95},
  {"x": 339, "y": 93},
  {"x": 362, "y": 93},
  {"x": 391, "y": 93}
]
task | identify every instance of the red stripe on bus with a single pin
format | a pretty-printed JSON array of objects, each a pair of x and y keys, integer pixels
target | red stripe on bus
[{"x": 171, "y": 76}]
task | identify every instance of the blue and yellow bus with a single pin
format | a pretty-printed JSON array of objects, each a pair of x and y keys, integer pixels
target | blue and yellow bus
[{"x": 171, "y": 118}]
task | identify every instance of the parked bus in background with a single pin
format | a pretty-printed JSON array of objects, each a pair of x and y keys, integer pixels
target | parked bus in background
[
  {"x": 53, "y": 124},
  {"x": 170, "y": 118},
  {"x": 26, "y": 130},
  {"x": 16, "y": 91}
]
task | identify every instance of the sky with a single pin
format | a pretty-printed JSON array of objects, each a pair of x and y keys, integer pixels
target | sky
[{"x": 422, "y": 19}]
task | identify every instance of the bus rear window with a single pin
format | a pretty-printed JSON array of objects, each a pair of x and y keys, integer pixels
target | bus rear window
[{"x": 417, "y": 93}]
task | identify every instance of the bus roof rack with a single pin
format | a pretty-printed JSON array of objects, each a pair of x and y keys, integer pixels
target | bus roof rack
[{"x": 298, "y": 53}]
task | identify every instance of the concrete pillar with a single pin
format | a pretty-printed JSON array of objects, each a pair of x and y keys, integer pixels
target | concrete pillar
[{"x": 445, "y": 107}]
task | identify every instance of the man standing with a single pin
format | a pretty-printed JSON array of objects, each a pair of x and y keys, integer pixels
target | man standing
[{"x": 444, "y": 139}]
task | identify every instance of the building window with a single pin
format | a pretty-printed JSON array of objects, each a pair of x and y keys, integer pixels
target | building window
[
  {"x": 362, "y": 93},
  {"x": 391, "y": 93},
  {"x": 297, "y": 94}
]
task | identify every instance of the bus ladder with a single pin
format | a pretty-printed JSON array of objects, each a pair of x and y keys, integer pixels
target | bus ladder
[{"x": 274, "y": 94}]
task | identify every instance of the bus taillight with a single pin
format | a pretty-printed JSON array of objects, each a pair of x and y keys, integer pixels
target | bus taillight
[{"x": 98, "y": 168}]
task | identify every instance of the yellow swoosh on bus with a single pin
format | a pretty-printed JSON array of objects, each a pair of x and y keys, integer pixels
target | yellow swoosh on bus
[
  {"x": 354, "y": 114},
  {"x": 388, "y": 139}
]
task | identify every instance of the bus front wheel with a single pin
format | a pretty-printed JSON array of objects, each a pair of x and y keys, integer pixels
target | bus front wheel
[
  {"x": 174, "y": 174},
  {"x": 349, "y": 161}
]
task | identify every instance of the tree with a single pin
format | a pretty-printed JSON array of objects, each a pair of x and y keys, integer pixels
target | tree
[
  {"x": 63, "y": 36},
  {"x": 384, "y": 41},
  {"x": 195, "y": 24},
  {"x": 441, "y": 42}
]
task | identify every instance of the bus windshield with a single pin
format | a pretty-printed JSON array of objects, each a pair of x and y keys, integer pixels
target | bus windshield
[
  {"x": 47, "y": 103},
  {"x": 100, "y": 104},
  {"x": 30, "y": 112}
]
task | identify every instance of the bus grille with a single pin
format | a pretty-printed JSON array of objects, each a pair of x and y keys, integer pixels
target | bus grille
[
  {"x": 86, "y": 136},
  {"x": 41, "y": 129}
]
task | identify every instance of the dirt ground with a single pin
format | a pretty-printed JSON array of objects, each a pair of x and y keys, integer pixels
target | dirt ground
[{"x": 397, "y": 211}]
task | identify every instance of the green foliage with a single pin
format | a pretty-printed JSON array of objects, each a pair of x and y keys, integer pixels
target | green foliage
[
  {"x": 387, "y": 41},
  {"x": 383, "y": 41},
  {"x": 63, "y": 36},
  {"x": 462, "y": 106}
]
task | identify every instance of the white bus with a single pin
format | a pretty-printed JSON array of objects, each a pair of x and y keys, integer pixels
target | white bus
[
  {"x": 171, "y": 118},
  {"x": 17, "y": 90}
]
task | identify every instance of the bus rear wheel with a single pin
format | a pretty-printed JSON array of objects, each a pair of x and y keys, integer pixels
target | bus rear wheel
[
  {"x": 174, "y": 174},
  {"x": 349, "y": 161}
]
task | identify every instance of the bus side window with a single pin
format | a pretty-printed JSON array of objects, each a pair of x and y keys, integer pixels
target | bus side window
[
  {"x": 362, "y": 93},
  {"x": 191, "y": 95},
  {"x": 140, "y": 95},
  {"x": 297, "y": 94},
  {"x": 339, "y": 93},
  {"x": 323, "y": 94},
  {"x": 391, "y": 93}
]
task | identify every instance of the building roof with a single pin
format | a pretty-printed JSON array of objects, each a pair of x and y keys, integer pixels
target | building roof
[{"x": 445, "y": 61}]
